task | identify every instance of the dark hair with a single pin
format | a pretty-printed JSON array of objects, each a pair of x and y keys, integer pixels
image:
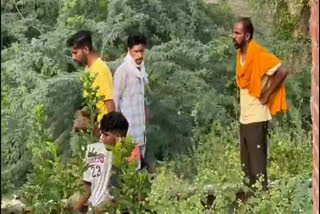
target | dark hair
[
  {"x": 136, "y": 39},
  {"x": 247, "y": 25},
  {"x": 114, "y": 122},
  {"x": 81, "y": 39}
]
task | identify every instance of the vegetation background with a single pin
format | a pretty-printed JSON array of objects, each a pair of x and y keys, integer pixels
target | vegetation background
[{"x": 193, "y": 94}]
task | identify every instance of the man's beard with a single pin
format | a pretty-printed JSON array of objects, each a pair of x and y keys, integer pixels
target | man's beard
[
  {"x": 82, "y": 62},
  {"x": 79, "y": 64},
  {"x": 236, "y": 45},
  {"x": 138, "y": 61}
]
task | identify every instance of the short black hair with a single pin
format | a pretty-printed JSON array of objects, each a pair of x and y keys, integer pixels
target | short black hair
[
  {"x": 81, "y": 39},
  {"x": 136, "y": 38},
  {"x": 114, "y": 122},
  {"x": 247, "y": 25}
]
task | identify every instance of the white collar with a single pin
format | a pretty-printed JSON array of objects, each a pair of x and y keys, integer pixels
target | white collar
[{"x": 134, "y": 67}]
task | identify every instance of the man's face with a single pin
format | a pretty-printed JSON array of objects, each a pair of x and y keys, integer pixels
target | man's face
[
  {"x": 108, "y": 138},
  {"x": 137, "y": 53},
  {"x": 239, "y": 35},
  {"x": 79, "y": 56}
]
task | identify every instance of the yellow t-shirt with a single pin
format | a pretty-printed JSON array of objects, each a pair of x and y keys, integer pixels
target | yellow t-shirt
[
  {"x": 103, "y": 82},
  {"x": 251, "y": 110}
]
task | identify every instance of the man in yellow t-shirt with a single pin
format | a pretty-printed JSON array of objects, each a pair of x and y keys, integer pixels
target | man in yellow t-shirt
[{"x": 84, "y": 54}]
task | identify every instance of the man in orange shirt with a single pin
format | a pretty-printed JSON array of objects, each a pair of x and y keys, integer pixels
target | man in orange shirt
[
  {"x": 84, "y": 54},
  {"x": 260, "y": 77}
]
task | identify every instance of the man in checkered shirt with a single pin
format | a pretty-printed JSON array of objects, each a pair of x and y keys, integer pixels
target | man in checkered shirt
[{"x": 130, "y": 80}]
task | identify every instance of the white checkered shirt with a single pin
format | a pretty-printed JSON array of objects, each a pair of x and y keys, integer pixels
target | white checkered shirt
[{"x": 129, "y": 97}]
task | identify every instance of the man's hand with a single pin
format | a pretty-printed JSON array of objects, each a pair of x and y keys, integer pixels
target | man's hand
[
  {"x": 147, "y": 110},
  {"x": 83, "y": 198},
  {"x": 80, "y": 122}
]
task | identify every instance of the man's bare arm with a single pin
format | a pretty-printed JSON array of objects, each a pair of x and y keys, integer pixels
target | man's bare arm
[
  {"x": 110, "y": 105},
  {"x": 84, "y": 197},
  {"x": 280, "y": 76},
  {"x": 147, "y": 110}
]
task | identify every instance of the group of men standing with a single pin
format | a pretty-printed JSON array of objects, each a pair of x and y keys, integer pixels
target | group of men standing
[
  {"x": 260, "y": 78},
  {"x": 126, "y": 91}
]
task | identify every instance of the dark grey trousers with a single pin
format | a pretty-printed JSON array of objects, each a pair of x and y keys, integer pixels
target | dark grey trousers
[{"x": 253, "y": 151}]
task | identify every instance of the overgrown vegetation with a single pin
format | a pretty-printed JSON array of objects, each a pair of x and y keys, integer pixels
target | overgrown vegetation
[{"x": 194, "y": 104}]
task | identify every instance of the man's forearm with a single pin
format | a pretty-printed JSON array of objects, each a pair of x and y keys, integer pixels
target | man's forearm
[
  {"x": 147, "y": 112},
  {"x": 110, "y": 105},
  {"x": 280, "y": 76},
  {"x": 83, "y": 197}
]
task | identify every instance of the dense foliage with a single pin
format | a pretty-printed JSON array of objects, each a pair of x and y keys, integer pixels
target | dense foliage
[{"x": 193, "y": 95}]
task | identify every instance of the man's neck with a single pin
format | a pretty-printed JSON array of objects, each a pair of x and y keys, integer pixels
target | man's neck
[
  {"x": 91, "y": 59},
  {"x": 243, "y": 50}
]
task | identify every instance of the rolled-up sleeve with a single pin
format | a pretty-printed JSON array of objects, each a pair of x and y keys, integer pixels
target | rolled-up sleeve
[{"x": 272, "y": 70}]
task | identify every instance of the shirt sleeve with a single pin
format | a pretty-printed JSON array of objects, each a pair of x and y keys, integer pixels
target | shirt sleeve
[
  {"x": 119, "y": 86},
  {"x": 272, "y": 70},
  {"x": 87, "y": 176},
  {"x": 103, "y": 82}
]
